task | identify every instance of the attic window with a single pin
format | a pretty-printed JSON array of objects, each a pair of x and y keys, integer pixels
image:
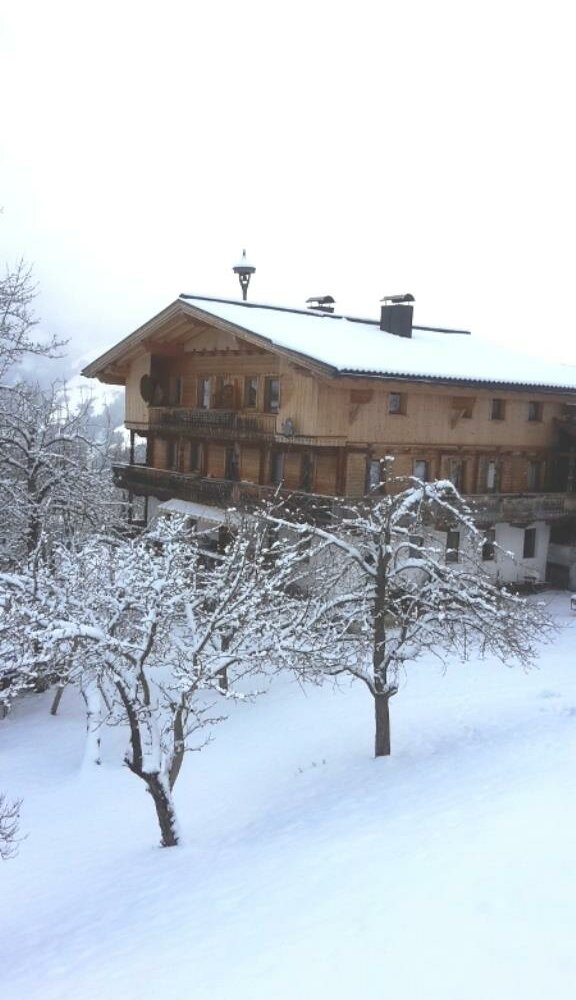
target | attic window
[
  {"x": 534, "y": 410},
  {"x": 250, "y": 391},
  {"x": 204, "y": 393},
  {"x": 463, "y": 407},
  {"x": 396, "y": 402},
  {"x": 272, "y": 395},
  {"x": 497, "y": 409}
]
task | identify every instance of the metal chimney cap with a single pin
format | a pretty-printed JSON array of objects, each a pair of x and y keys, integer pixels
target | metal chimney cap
[
  {"x": 243, "y": 267},
  {"x": 398, "y": 299}
]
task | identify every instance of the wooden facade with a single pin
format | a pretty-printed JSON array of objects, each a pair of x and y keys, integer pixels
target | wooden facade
[{"x": 218, "y": 406}]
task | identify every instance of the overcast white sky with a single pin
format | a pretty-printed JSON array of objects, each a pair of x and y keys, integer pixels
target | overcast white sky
[{"x": 358, "y": 150}]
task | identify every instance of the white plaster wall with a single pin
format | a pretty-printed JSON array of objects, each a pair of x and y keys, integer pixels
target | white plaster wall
[
  {"x": 518, "y": 569},
  {"x": 564, "y": 555}
]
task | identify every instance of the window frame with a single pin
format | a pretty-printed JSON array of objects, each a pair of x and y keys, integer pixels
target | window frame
[
  {"x": 421, "y": 462},
  {"x": 271, "y": 400},
  {"x": 277, "y": 468},
  {"x": 535, "y": 411},
  {"x": 489, "y": 545},
  {"x": 399, "y": 408},
  {"x": 248, "y": 389},
  {"x": 498, "y": 408},
  {"x": 204, "y": 393},
  {"x": 529, "y": 544},
  {"x": 452, "y": 551}
]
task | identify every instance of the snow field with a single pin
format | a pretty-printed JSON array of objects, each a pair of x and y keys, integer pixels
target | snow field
[{"x": 309, "y": 870}]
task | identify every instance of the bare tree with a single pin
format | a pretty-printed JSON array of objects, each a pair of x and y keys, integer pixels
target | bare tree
[
  {"x": 55, "y": 480},
  {"x": 149, "y": 628},
  {"x": 9, "y": 824},
  {"x": 17, "y": 322},
  {"x": 386, "y": 591}
]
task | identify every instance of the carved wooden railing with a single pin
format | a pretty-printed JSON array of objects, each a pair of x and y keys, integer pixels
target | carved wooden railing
[{"x": 179, "y": 418}]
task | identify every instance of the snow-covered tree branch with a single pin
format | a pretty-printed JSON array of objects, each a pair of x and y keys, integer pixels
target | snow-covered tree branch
[
  {"x": 17, "y": 293},
  {"x": 157, "y": 632},
  {"x": 388, "y": 591}
]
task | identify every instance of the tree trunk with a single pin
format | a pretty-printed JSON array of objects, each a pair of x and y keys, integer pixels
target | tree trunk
[
  {"x": 57, "y": 699},
  {"x": 164, "y": 809},
  {"x": 382, "y": 718},
  {"x": 93, "y": 701}
]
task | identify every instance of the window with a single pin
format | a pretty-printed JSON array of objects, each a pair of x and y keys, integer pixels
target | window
[
  {"x": 488, "y": 548},
  {"x": 491, "y": 476},
  {"x": 529, "y": 550},
  {"x": 462, "y": 407},
  {"x": 456, "y": 472},
  {"x": 534, "y": 411},
  {"x": 250, "y": 392},
  {"x": 452, "y": 546},
  {"x": 415, "y": 543},
  {"x": 497, "y": 409},
  {"x": 276, "y": 467},
  {"x": 174, "y": 390},
  {"x": 272, "y": 395},
  {"x": 307, "y": 472},
  {"x": 231, "y": 463},
  {"x": 420, "y": 469},
  {"x": 396, "y": 402},
  {"x": 196, "y": 456},
  {"x": 204, "y": 393},
  {"x": 373, "y": 474},
  {"x": 534, "y": 476},
  {"x": 171, "y": 454}
]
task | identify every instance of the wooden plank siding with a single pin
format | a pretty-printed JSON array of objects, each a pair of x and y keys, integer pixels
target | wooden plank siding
[{"x": 339, "y": 422}]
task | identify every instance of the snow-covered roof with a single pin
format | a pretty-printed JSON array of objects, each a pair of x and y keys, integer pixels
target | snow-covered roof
[
  {"x": 198, "y": 511},
  {"x": 352, "y": 345}
]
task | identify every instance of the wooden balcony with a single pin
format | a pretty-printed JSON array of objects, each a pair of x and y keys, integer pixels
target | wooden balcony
[
  {"x": 521, "y": 508},
  {"x": 518, "y": 509},
  {"x": 213, "y": 423},
  {"x": 165, "y": 484}
]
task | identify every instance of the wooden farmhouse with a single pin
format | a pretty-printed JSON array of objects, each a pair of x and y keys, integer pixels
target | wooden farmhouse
[{"x": 235, "y": 399}]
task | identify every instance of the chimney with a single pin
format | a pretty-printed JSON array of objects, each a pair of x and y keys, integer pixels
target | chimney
[
  {"x": 321, "y": 303},
  {"x": 396, "y": 315}
]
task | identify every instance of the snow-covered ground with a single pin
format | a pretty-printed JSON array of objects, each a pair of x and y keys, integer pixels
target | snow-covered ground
[{"x": 309, "y": 870}]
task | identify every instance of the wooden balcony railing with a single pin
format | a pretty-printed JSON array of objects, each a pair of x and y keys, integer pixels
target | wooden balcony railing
[
  {"x": 166, "y": 484},
  {"x": 519, "y": 509},
  {"x": 213, "y": 422}
]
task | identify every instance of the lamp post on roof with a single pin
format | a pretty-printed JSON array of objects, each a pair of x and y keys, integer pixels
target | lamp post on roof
[{"x": 244, "y": 270}]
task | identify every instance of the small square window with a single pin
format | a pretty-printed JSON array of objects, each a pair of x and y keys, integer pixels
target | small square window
[
  {"x": 452, "y": 546},
  {"x": 420, "y": 470},
  {"x": 529, "y": 550},
  {"x": 534, "y": 411},
  {"x": 498, "y": 409},
  {"x": 396, "y": 402}
]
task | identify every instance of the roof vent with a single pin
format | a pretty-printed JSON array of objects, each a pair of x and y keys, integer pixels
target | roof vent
[
  {"x": 396, "y": 314},
  {"x": 321, "y": 303}
]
